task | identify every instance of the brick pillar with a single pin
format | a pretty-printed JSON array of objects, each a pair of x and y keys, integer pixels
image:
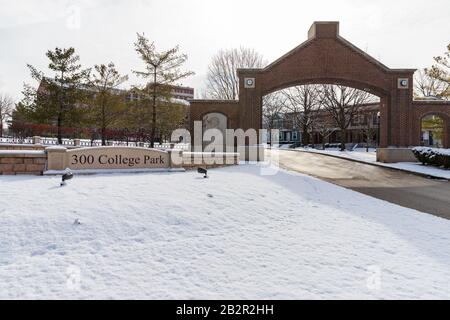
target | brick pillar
[
  {"x": 401, "y": 113},
  {"x": 250, "y": 100},
  {"x": 37, "y": 140},
  {"x": 447, "y": 133},
  {"x": 175, "y": 158},
  {"x": 384, "y": 124},
  {"x": 56, "y": 158}
]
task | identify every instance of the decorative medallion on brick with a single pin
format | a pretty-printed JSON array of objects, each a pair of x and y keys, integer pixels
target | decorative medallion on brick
[
  {"x": 403, "y": 83},
  {"x": 249, "y": 83}
]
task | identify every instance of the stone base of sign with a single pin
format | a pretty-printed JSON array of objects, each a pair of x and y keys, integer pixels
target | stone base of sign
[
  {"x": 209, "y": 160},
  {"x": 251, "y": 153},
  {"x": 392, "y": 155},
  {"x": 55, "y": 160}
]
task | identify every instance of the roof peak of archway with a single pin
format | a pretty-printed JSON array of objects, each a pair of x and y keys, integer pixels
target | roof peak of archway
[{"x": 327, "y": 30}]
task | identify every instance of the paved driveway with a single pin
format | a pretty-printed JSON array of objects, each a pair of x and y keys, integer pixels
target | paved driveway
[{"x": 408, "y": 190}]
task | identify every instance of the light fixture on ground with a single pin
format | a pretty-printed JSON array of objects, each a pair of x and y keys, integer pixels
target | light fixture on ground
[
  {"x": 203, "y": 171},
  {"x": 66, "y": 176}
]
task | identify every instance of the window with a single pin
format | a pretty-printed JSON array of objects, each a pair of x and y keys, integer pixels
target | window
[
  {"x": 375, "y": 119},
  {"x": 432, "y": 133}
]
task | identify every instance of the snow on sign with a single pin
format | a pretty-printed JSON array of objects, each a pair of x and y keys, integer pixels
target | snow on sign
[{"x": 112, "y": 158}]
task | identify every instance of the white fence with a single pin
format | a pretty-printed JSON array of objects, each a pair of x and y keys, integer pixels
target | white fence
[{"x": 89, "y": 143}]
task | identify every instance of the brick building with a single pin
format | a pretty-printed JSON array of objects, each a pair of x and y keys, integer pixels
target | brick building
[{"x": 365, "y": 122}]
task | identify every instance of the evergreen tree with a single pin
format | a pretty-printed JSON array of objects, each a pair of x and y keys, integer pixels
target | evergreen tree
[
  {"x": 58, "y": 98},
  {"x": 162, "y": 69}
]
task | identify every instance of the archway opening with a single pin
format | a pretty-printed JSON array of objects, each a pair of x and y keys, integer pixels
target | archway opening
[
  {"x": 323, "y": 116},
  {"x": 432, "y": 131}
]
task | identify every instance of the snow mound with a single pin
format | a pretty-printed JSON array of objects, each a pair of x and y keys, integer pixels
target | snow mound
[{"x": 236, "y": 235}]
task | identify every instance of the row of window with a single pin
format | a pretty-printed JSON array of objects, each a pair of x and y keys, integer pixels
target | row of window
[{"x": 187, "y": 91}]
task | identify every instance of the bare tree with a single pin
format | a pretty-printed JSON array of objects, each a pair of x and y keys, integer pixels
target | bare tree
[
  {"x": 368, "y": 129},
  {"x": 323, "y": 124},
  {"x": 302, "y": 101},
  {"x": 222, "y": 80},
  {"x": 428, "y": 86},
  {"x": 441, "y": 71},
  {"x": 6, "y": 109},
  {"x": 342, "y": 104},
  {"x": 273, "y": 105},
  {"x": 162, "y": 69}
]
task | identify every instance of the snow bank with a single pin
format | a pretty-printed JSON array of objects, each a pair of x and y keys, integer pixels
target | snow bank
[
  {"x": 236, "y": 235},
  {"x": 14, "y": 152},
  {"x": 428, "y": 150}
]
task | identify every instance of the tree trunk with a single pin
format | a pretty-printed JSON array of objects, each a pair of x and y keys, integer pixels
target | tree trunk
[
  {"x": 343, "y": 138},
  {"x": 305, "y": 135},
  {"x": 1, "y": 128},
  {"x": 153, "y": 131},
  {"x": 103, "y": 125},
  {"x": 103, "y": 136},
  {"x": 368, "y": 140},
  {"x": 61, "y": 108},
  {"x": 58, "y": 132}
]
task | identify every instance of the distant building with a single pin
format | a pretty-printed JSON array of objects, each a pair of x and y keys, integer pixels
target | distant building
[
  {"x": 177, "y": 92},
  {"x": 180, "y": 95},
  {"x": 290, "y": 133},
  {"x": 183, "y": 93}
]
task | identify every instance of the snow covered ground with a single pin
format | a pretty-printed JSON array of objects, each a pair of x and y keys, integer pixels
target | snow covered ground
[
  {"x": 238, "y": 234},
  {"x": 357, "y": 154},
  {"x": 360, "y": 154}
]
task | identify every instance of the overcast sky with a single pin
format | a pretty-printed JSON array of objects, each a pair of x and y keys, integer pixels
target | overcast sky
[{"x": 401, "y": 33}]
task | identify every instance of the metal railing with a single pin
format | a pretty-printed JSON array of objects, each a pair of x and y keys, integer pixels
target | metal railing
[{"x": 47, "y": 141}]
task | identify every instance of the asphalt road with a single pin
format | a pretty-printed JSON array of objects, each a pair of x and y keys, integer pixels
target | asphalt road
[{"x": 408, "y": 190}]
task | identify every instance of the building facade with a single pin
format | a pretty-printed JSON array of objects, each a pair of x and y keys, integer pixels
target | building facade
[{"x": 364, "y": 128}]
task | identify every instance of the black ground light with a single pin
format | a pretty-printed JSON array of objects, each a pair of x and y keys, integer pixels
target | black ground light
[
  {"x": 203, "y": 171},
  {"x": 66, "y": 176}
]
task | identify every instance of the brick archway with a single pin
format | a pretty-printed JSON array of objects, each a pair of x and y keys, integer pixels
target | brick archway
[
  {"x": 326, "y": 57},
  {"x": 423, "y": 108}
]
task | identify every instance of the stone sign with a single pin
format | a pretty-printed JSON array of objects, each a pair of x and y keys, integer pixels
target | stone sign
[{"x": 107, "y": 158}]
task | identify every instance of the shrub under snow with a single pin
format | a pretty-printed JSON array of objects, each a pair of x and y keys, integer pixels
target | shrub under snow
[{"x": 433, "y": 156}]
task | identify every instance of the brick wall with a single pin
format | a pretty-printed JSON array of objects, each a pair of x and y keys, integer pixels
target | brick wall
[
  {"x": 199, "y": 108},
  {"x": 424, "y": 108},
  {"x": 22, "y": 162}
]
